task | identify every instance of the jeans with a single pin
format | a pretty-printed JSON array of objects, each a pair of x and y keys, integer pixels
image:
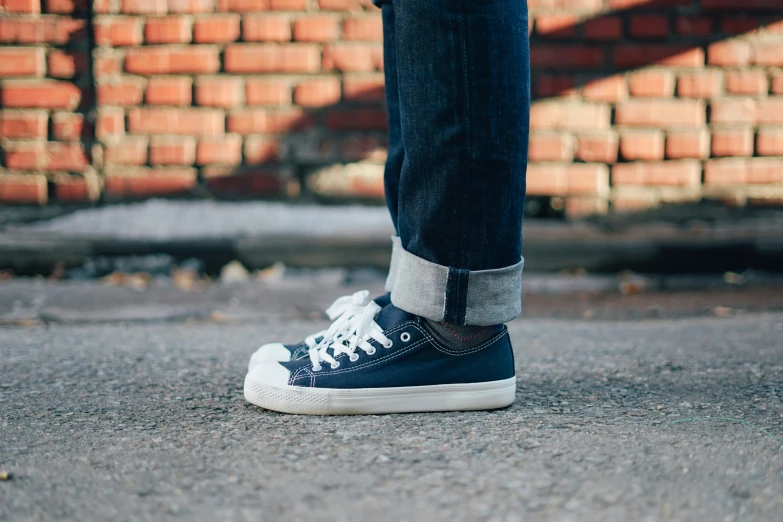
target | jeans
[{"x": 458, "y": 97}]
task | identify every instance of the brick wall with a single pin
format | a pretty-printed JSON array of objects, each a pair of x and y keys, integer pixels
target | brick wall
[{"x": 637, "y": 102}]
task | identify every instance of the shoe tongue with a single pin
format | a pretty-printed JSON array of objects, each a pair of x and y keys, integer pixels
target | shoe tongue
[{"x": 391, "y": 316}]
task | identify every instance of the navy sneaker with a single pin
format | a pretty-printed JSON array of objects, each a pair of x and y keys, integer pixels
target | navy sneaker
[
  {"x": 341, "y": 312},
  {"x": 390, "y": 364}
]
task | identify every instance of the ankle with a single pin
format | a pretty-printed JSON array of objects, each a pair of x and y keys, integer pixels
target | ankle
[{"x": 460, "y": 337}]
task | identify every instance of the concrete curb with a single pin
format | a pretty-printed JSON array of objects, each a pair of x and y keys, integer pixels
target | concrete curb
[{"x": 548, "y": 247}]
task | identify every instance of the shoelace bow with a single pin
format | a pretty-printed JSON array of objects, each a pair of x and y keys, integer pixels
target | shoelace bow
[
  {"x": 361, "y": 328},
  {"x": 341, "y": 311}
]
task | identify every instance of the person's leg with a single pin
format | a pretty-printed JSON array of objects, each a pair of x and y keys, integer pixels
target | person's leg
[{"x": 462, "y": 70}]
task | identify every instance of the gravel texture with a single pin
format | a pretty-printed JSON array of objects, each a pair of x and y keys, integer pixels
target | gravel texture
[{"x": 147, "y": 422}]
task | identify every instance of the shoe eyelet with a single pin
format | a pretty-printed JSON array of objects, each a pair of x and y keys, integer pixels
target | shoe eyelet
[
  {"x": 335, "y": 365},
  {"x": 389, "y": 344},
  {"x": 405, "y": 337},
  {"x": 353, "y": 357},
  {"x": 372, "y": 352}
]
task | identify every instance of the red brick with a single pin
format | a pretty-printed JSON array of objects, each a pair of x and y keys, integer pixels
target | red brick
[
  {"x": 356, "y": 119},
  {"x": 190, "y": 6},
  {"x": 66, "y": 6},
  {"x": 262, "y": 121},
  {"x": 340, "y": 5},
  {"x": 567, "y": 56},
  {"x": 22, "y": 6},
  {"x": 569, "y": 116},
  {"x": 216, "y": 29},
  {"x": 768, "y": 54},
  {"x": 107, "y": 63},
  {"x": 353, "y": 57},
  {"x": 747, "y": 82},
  {"x": 172, "y": 60},
  {"x": 22, "y": 62},
  {"x": 608, "y": 89},
  {"x": 157, "y": 7},
  {"x": 110, "y": 123},
  {"x": 23, "y": 124},
  {"x": 128, "y": 151},
  {"x": 776, "y": 83},
  {"x": 221, "y": 91},
  {"x": 24, "y": 156},
  {"x": 597, "y": 147},
  {"x": 640, "y": 55},
  {"x": 363, "y": 88},
  {"x": 46, "y": 29},
  {"x": 44, "y": 95},
  {"x": 243, "y": 6},
  {"x": 23, "y": 189},
  {"x": 267, "y": 91},
  {"x": 288, "y": 5},
  {"x": 627, "y": 4},
  {"x": 732, "y": 142},
  {"x": 68, "y": 126},
  {"x": 126, "y": 91},
  {"x": 608, "y": 28},
  {"x": 169, "y": 91},
  {"x": 683, "y": 173},
  {"x": 358, "y": 147},
  {"x": 118, "y": 31},
  {"x": 739, "y": 24},
  {"x": 774, "y": 26},
  {"x": 742, "y": 171},
  {"x": 168, "y": 30},
  {"x": 770, "y": 111},
  {"x": 565, "y": 179},
  {"x": 661, "y": 113},
  {"x": 649, "y": 26},
  {"x": 187, "y": 121},
  {"x": 65, "y": 157},
  {"x": 172, "y": 150},
  {"x": 74, "y": 189},
  {"x": 271, "y": 58},
  {"x": 248, "y": 182},
  {"x": 562, "y": 86},
  {"x": 150, "y": 182},
  {"x": 651, "y": 83},
  {"x": 688, "y": 144},
  {"x": 737, "y": 110},
  {"x": 316, "y": 29},
  {"x": 219, "y": 150},
  {"x": 260, "y": 149},
  {"x": 705, "y": 84},
  {"x": 367, "y": 28},
  {"x": 729, "y": 53},
  {"x": 694, "y": 25},
  {"x": 641, "y": 145},
  {"x": 769, "y": 142},
  {"x": 567, "y": 5},
  {"x": 266, "y": 28},
  {"x": 63, "y": 64},
  {"x": 551, "y": 147},
  {"x": 556, "y": 25},
  {"x": 104, "y": 7},
  {"x": 317, "y": 92}
]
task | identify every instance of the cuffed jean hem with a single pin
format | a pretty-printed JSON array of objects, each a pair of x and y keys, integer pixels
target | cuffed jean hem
[
  {"x": 454, "y": 295},
  {"x": 395, "y": 256}
]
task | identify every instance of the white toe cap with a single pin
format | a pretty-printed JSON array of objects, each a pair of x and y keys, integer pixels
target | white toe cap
[
  {"x": 269, "y": 352},
  {"x": 268, "y": 374}
]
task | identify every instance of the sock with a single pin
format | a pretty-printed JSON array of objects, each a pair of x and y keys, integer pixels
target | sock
[{"x": 461, "y": 337}]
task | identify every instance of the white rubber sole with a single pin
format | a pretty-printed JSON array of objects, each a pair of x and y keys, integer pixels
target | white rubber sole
[{"x": 363, "y": 401}]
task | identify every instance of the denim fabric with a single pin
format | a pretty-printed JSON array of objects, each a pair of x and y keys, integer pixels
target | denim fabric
[{"x": 458, "y": 96}]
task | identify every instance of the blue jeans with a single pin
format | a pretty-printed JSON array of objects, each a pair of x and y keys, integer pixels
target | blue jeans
[{"x": 458, "y": 97}]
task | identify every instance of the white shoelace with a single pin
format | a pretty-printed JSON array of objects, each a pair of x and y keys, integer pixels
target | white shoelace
[
  {"x": 341, "y": 312},
  {"x": 360, "y": 330}
]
